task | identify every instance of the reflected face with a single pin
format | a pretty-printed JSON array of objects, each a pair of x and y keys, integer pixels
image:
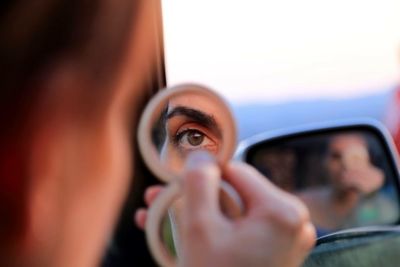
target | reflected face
[
  {"x": 191, "y": 122},
  {"x": 346, "y": 152}
]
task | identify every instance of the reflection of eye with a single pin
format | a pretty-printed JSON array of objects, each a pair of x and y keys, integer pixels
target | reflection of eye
[{"x": 192, "y": 139}]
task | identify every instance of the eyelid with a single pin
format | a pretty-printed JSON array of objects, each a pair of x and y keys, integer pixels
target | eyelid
[
  {"x": 176, "y": 139},
  {"x": 194, "y": 115},
  {"x": 182, "y": 132},
  {"x": 195, "y": 126},
  {"x": 207, "y": 144}
]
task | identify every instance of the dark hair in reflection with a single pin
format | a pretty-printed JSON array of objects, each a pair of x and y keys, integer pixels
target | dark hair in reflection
[{"x": 159, "y": 133}]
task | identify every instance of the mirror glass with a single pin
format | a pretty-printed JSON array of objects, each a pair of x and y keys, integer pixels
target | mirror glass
[
  {"x": 188, "y": 122},
  {"x": 169, "y": 230},
  {"x": 181, "y": 120},
  {"x": 345, "y": 178}
]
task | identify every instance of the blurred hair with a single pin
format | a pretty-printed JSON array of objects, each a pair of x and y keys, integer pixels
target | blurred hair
[{"x": 34, "y": 37}]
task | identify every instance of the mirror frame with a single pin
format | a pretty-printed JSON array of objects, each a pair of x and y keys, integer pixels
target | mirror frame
[{"x": 247, "y": 146}]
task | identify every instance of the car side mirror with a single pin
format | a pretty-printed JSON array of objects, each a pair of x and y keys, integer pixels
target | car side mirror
[{"x": 345, "y": 172}]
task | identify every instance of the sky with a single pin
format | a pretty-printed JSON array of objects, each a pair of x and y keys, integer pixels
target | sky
[{"x": 278, "y": 51}]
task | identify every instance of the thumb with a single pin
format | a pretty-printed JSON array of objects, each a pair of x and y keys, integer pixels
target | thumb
[{"x": 201, "y": 182}]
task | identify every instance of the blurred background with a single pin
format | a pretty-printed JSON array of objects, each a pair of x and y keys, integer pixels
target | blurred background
[{"x": 289, "y": 62}]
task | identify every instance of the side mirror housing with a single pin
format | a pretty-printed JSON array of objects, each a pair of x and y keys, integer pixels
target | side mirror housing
[{"x": 345, "y": 172}]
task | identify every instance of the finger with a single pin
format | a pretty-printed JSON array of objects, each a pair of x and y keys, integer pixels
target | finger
[
  {"x": 200, "y": 186},
  {"x": 140, "y": 218},
  {"x": 261, "y": 197},
  {"x": 151, "y": 193},
  {"x": 305, "y": 241},
  {"x": 308, "y": 236}
]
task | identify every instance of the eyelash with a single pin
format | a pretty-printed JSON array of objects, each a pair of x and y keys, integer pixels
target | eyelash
[{"x": 178, "y": 136}]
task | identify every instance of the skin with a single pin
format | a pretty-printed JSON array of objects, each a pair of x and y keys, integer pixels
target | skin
[
  {"x": 349, "y": 166},
  {"x": 274, "y": 231},
  {"x": 351, "y": 175},
  {"x": 184, "y": 120}
]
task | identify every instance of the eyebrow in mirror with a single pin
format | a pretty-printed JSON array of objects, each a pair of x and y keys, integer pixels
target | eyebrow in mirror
[{"x": 198, "y": 116}]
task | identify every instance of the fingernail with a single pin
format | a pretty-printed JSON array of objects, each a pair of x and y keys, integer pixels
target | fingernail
[{"x": 198, "y": 158}]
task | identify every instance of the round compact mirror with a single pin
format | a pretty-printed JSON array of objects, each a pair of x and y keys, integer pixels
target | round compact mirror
[
  {"x": 176, "y": 122},
  {"x": 183, "y": 119}
]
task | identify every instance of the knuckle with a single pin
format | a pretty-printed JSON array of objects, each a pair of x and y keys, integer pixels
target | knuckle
[
  {"x": 198, "y": 227},
  {"x": 290, "y": 216},
  {"x": 297, "y": 217},
  {"x": 309, "y": 236}
]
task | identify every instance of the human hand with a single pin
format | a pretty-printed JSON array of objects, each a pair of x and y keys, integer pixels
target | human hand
[
  {"x": 274, "y": 231},
  {"x": 150, "y": 195},
  {"x": 364, "y": 180},
  {"x": 358, "y": 172}
]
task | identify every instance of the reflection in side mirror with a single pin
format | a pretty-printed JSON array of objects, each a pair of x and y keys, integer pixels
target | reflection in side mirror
[{"x": 345, "y": 175}]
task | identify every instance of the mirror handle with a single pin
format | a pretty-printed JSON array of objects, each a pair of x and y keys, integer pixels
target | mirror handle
[
  {"x": 155, "y": 215},
  {"x": 230, "y": 199}
]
